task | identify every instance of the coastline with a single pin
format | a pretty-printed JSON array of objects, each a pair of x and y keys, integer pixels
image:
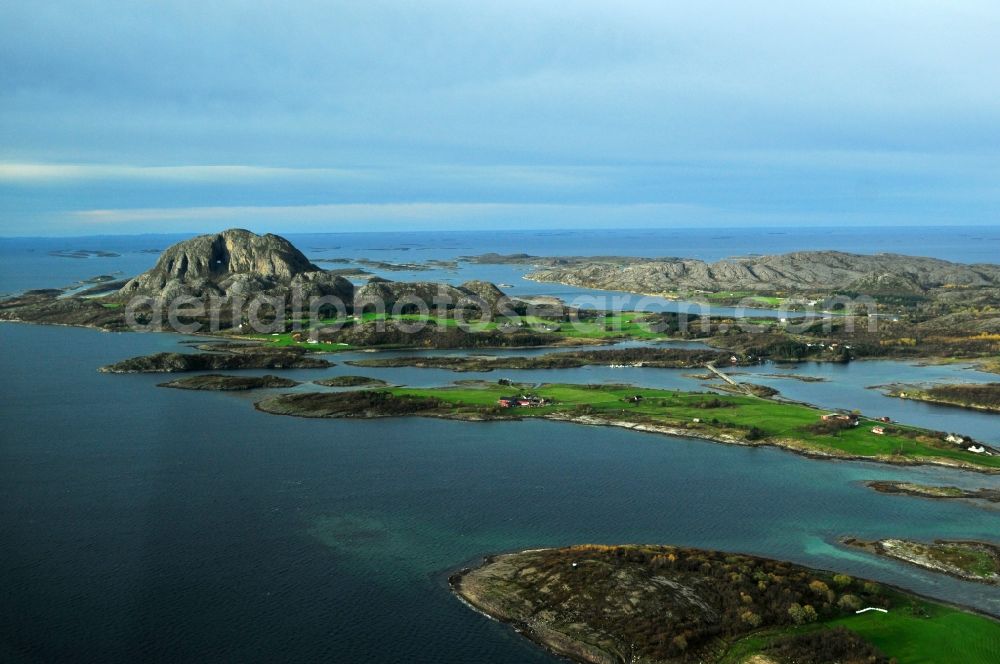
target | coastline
[
  {"x": 787, "y": 445},
  {"x": 904, "y": 551},
  {"x": 565, "y": 646},
  {"x": 942, "y": 402}
]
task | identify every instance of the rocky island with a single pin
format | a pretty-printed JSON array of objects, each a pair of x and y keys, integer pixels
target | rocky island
[
  {"x": 182, "y": 362},
  {"x": 661, "y": 358},
  {"x": 350, "y": 381},
  {"x": 893, "y": 305},
  {"x": 972, "y": 561},
  {"x": 900, "y": 306},
  {"x": 974, "y": 396},
  {"x": 936, "y": 492},
  {"x": 221, "y": 383},
  {"x": 664, "y": 605}
]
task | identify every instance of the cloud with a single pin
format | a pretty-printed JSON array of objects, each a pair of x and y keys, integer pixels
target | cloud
[
  {"x": 780, "y": 107},
  {"x": 389, "y": 213},
  {"x": 25, "y": 173}
]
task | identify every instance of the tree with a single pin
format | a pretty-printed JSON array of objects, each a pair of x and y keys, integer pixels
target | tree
[
  {"x": 842, "y": 580},
  {"x": 849, "y": 602},
  {"x": 818, "y": 587},
  {"x": 801, "y": 614}
]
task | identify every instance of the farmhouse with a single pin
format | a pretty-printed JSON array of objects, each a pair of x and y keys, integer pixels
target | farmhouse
[{"x": 522, "y": 401}]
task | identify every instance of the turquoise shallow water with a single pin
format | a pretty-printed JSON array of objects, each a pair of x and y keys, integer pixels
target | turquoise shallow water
[{"x": 162, "y": 525}]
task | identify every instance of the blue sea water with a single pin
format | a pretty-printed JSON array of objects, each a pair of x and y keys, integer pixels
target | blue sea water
[
  {"x": 147, "y": 524},
  {"x": 26, "y": 262}
]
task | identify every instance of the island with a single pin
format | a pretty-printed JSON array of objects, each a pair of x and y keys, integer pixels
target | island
[
  {"x": 222, "y": 383},
  {"x": 883, "y": 305},
  {"x": 972, "y": 561},
  {"x": 350, "y": 381},
  {"x": 602, "y": 604},
  {"x": 739, "y": 419},
  {"x": 862, "y": 307},
  {"x": 181, "y": 362},
  {"x": 662, "y": 358},
  {"x": 975, "y": 396},
  {"x": 936, "y": 492}
]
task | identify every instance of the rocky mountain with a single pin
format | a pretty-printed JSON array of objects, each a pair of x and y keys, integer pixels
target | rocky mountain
[
  {"x": 480, "y": 295},
  {"x": 804, "y": 271},
  {"x": 235, "y": 262}
]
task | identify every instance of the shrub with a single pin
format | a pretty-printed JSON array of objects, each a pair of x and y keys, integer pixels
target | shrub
[
  {"x": 849, "y": 602},
  {"x": 842, "y": 580}
]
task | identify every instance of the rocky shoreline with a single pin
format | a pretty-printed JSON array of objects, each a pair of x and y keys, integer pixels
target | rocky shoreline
[
  {"x": 221, "y": 383},
  {"x": 954, "y": 396},
  {"x": 337, "y": 405},
  {"x": 184, "y": 362},
  {"x": 968, "y": 560},
  {"x": 601, "y": 604},
  {"x": 935, "y": 492}
]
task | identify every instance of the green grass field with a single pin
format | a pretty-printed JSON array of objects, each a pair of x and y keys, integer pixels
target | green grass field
[
  {"x": 626, "y": 325},
  {"x": 776, "y": 420},
  {"x": 921, "y": 632},
  {"x": 914, "y": 631}
]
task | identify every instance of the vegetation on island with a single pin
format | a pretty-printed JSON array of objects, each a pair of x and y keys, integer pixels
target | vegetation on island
[
  {"x": 182, "y": 362},
  {"x": 219, "y": 382},
  {"x": 664, "y": 604},
  {"x": 669, "y": 358},
  {"x": 350, "y": 381},
  {"x": 939, "y": 492},
  {"x": 730, "y": 418},
  {"x": 975, "y": 396},
  {"x": 897, "y": 306},
  {"x": 969, "y": 560}
]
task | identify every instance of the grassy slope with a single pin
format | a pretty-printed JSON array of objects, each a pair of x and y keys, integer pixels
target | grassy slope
[
  {"x": 618, "y": 326},
  {"x": 671, "y": 408},
  {"x": 944, "y": 635},
  {"x": 934, "y": 634}
]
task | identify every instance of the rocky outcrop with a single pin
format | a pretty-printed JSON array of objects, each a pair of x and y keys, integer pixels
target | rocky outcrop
[
  {"x": 603, "y": 604},
  {"x": 351, "y": 381},
  {"x": 404, "y": 295},
  {"x": 235, "y": 262},
  {"x": 428, "y": 334},
  {"x": 969, "y": 560},
  {"x": 221, "y": 383},
  {"x": 181, "y": 362},
  {"x": 799, "y": 271}
]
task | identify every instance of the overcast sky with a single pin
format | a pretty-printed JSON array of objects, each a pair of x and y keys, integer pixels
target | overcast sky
[{"x": 124, "y": 117}]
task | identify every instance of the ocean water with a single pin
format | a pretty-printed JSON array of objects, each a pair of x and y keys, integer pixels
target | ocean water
[
  {"x": 26, "y": 262},
  {"x": 147, "y": 524}
]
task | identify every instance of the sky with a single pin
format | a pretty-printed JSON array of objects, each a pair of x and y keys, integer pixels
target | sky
[{"x": 133, "y": 117}]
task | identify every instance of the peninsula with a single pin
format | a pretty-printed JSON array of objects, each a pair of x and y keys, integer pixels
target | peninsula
[
  {"x": 727, "y": 418},
  {"x": 664, "y": 605}
]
